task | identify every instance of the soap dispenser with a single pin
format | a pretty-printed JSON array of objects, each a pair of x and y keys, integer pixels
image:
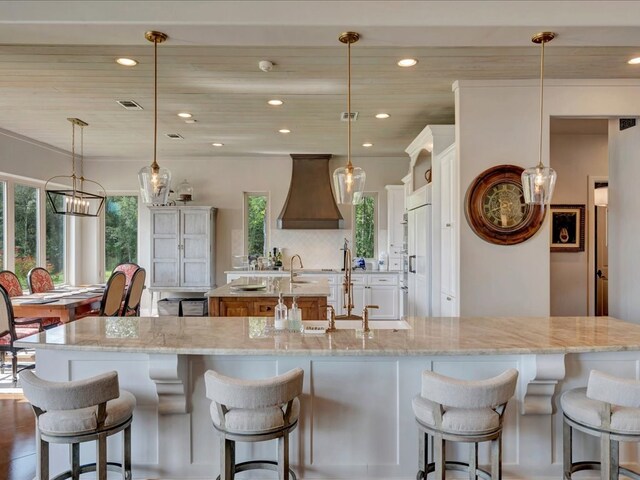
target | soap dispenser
[
  {"x": 281, "y": 315},
  {"x": 295, "y": 317}
]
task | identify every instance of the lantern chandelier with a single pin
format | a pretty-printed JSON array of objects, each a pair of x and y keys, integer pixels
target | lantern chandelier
[
  {"x": 349, "y": 180},
  {"x": 538, "y": 182},
  {"x": 155, "y": 181},
  {"x": 76, "y": 201}
]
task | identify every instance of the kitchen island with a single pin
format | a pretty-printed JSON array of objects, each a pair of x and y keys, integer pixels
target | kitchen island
[
  {"x": 356, "y": 420},
  {"x": 258, "y": 296}
]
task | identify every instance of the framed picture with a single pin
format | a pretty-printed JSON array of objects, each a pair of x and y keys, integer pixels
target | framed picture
[{"x": 567, "y": 228}]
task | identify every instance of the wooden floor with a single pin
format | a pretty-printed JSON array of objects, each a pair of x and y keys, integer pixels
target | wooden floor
[{"x": 17, "y": 438}]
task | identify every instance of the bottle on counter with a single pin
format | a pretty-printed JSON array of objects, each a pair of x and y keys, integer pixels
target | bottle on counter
[
  {"x": 281, "y": 315},
  {"x": 295, "y": 317}
]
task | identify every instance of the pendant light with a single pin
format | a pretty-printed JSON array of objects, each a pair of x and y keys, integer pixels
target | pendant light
[
  {"x": 538, "y": 182},
  {"x": 349, "y": 180},
  {"x": 155, "y": 181},
  {"x": 77, "y": 201}
]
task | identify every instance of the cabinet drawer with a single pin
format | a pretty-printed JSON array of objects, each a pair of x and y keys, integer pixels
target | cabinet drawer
[
  {"x": 396, "y": 251},
  {"x": 383, "y": 279},
  {"x": 358, "y": 279},
  {"x": 264, "y": 308},
  {"x": 395, "y": 264}
]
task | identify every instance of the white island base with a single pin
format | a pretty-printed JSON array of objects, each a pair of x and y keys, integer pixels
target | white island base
[{"x": 356, "y": 419}]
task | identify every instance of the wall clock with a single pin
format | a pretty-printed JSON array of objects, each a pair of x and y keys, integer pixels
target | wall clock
[{"x": 495, "y": 207}]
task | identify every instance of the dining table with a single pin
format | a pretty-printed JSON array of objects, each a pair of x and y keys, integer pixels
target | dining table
[{"x": 65, "y": 303}]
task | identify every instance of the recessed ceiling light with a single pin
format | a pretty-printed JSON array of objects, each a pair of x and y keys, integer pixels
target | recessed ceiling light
[
  {"x": 275, "y": 102},
  {"x": 185, "y": 115},
  {"x": 634, "y": 61},
  {"x": 367, "y": 145},
  {"x": 407, "y": 62},
  {"x": 284, "y": 130},
  {"x": 127, "y": 62},
  {"x": 382, "y": 115},
  {"x": 217, "y": 144}
]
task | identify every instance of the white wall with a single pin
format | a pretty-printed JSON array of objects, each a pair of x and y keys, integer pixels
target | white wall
[
  {"x": 574, "y": 157},
  {"x": 24, "y": 157},
  {"x": 497, "y": 122},
  {"x": 220, "y": 182}
]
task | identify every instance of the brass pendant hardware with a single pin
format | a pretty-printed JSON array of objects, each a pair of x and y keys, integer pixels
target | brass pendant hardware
[
  {"x": 349, "y": 37},
  {"x": 543, "y": 37},
  {"x": 157, "y": 37}
]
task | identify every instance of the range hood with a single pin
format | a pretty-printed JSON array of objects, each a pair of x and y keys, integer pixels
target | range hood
[{"x": 310, "y": 203}]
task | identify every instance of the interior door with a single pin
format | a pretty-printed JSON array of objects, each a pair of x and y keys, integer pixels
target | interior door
[{"x": 602, "y": 263}]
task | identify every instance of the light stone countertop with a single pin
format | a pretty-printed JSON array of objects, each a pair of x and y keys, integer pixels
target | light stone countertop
[
  {"x": 427, "y": 336},
  {"x": 313, "y": 271},
  {"x": 273, "y": 287}
]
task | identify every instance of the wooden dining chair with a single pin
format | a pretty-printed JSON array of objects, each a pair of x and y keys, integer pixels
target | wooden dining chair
[
  {"x": 131, "y": 305},
  {"x": 11, "y": 332},
  {"x": 112, "y": 299},
  {"x": 39, "y": 280},
  {"x": 129, "y": 269},
  {"x": 11, "y": 284}
]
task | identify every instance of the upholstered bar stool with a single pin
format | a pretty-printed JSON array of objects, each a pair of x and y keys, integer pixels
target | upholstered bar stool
[
  {"x": 608, "y": 408},
  {"x": 462, "y": 411},
  {"x": 76, "y": 412},
  {"x": 254, "y": 411}
]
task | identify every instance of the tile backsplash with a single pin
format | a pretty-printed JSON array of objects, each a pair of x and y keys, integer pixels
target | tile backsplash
[{"x": 318, "y": 248}]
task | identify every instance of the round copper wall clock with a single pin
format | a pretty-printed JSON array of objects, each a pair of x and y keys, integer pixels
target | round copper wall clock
[{"x": 495, "y": 207}]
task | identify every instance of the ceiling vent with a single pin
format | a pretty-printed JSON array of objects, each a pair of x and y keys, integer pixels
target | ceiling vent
[
  {"x": 344, "y": 116},
  {"x": 174, "y": 136},
  {"x": 129, "y": 104}
]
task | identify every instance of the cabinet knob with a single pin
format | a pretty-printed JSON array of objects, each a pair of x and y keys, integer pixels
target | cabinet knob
[
  {"x": 449, "y": 298},
  {"x": 447, "y": 224}
]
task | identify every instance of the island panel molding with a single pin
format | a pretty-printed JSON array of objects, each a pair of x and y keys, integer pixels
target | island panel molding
[
  {"x": 496, "y": 210},
  {"x": 170, "y": 375},
  {"x": 540, "y": 375}
]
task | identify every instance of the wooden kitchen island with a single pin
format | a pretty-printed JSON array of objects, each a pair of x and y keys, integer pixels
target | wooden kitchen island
[
  {"x": 242, "y": 298},
  {"x": 356, "y": 420}
]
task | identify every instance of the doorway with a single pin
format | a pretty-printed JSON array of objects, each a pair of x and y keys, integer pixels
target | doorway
[{"x": 601, "y": 248}]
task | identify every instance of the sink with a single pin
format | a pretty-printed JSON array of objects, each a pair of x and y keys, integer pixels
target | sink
[{"x": 357, "y": 324}]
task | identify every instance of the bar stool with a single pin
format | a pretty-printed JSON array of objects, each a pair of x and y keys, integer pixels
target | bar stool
[
  {"x": 254, "y": 411},
  {"x": 462, "y": 411},
  {"x": 76, "y": 412},
  {"x": 608, "y": 408}
]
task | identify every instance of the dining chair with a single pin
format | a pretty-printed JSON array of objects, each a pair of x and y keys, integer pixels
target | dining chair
[
  {"x": 131, "y": 306},
  {"x": 39, "y": 280},
  {"x": 111, "y": 303},
  {"x": 128, "y": 268},
  {"x": 11, "y": 284},
  {"x": 10, "y": 332}
]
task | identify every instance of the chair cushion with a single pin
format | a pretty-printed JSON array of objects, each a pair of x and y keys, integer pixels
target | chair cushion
[
  {"x": 258, "y": 420},
  {"x": 84, "y": 420},
  {"x": 21, "y": 332},
  {"x": 456, "y": 420},
  {"x": 577, "y": 406}
]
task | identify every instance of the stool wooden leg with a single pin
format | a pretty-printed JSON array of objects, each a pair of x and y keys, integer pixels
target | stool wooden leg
[
  {"x": 473, "y": 461},
  {"x": 439, "y": 454},
  {"x": 126, "y": 454},
  {"x": 605, "y": 457},
  {"x": 42, "y": 470},
  {"x": 423, "y": 451},
  {"x": 614, "y": 462},
  {"x": 227, "y": 459},
  {"x": 567, "y": 450},
  {"x": 101, "y": 457},
  {"x": 75, "y": 461},
  {"x": 496, "y": 458},
  {"x": 14, "y": 367},
  {"x": 283, "y": 457}
]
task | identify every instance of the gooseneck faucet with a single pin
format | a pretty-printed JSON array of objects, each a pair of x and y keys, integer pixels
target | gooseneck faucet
[
  {"x": 365, "y": 317},
  {"x": 347, "y": 287},
  {"x": 291, "y": 273}
]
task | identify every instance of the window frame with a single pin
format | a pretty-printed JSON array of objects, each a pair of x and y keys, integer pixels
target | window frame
[
  {"x": 245, "y": 220},
  {"x": 100, "y": 243},
  {"x": 376, "y": 224},
  {"x": 10, "y": 182}
]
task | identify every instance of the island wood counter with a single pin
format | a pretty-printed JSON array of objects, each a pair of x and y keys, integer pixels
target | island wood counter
[
  {"x": 356, "y": 419},
  {"x": 243, "y": 298}
]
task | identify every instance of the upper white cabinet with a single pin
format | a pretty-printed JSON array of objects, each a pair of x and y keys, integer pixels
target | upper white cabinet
[
  {"x": 395, "y": 232},
  {"x": 449, "y": 231},
  {"x": 183, "y": 247}
]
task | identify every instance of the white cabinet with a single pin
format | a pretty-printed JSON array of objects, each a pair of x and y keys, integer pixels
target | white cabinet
[
  {"x": 420, "y": 261},
  {"x": 395, "y": 212},
  {"x": 449, "y": 233},
  {"x": 182, "y": 247}
]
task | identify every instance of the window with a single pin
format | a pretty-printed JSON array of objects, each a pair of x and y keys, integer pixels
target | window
[
  {"x": 256, "y": 223},
  {"x": 3, "y": 233},
  {"x": 364, "y": 225},
  {"x": 120, "y": 231},
  {"x": 25, "y": 203},
  {"x": 55, "y": 244}
]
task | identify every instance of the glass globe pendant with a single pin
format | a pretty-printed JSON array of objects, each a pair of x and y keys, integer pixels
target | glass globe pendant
[
  {"x": 349, "y": 181},
  {"x": 155, "y": 182},
  {"x": 538, "y": 182}
]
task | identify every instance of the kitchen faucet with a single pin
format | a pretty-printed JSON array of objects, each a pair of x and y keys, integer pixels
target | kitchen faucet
[
  {"x": 291, "y": 273},
  {"x": 347, "y": 287},
  {"x": 365, "y": 318}
]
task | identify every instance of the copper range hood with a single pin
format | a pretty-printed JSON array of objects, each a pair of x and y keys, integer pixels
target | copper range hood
[{"x": 310, "y": 203}]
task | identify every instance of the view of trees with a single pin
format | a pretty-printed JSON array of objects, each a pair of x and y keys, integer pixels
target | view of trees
[
  {"x": 55, "y": 244},
  {"x": 121, "y": 231},
  {"x": 256, "y": 227},
  {"x": 2, "y": 209},
  {"x": 365, "y": 215},
  {"x": 26, "y": 230}
]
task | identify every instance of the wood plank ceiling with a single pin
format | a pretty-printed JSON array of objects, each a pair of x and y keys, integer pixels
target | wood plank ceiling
[{"x": 40, "y": 86}]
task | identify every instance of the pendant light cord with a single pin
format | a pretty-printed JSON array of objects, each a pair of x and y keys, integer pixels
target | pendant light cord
[
  {"x": 73, "y": 149},
  {"x": 349, "y": 103},
  {"x": 155, "y": 166},
  {"x": 540, "y": 164}
]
